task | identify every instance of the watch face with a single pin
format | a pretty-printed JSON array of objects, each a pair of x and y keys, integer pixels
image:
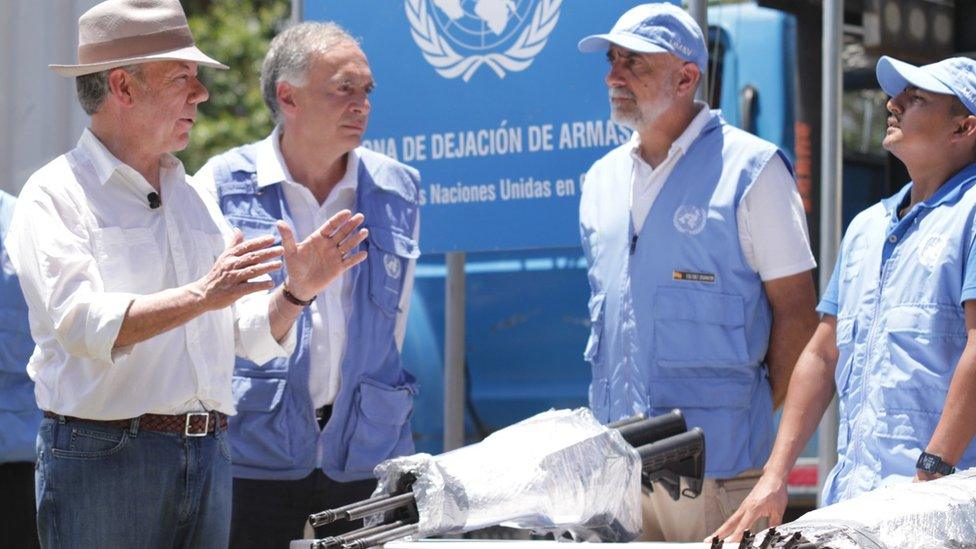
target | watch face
[{"x": 928, "y": 462}]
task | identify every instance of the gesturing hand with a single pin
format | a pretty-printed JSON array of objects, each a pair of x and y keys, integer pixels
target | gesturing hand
[
  {"x": 766, "y": 500},
  {"x": 316, "y": 261},
  {"x": 229, "y": 278}
]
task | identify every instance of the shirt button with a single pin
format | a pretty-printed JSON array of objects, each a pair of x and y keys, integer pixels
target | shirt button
[{"x": 892, "y": 239}]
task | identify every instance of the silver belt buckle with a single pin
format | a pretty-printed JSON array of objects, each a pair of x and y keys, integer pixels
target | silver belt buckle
[{"x": 206, "y": 424}]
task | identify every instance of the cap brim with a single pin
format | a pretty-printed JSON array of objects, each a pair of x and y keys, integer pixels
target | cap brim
[
  {"x": 894, "y": 76},
  {"x": 191, "y": 53},
  {"x": 602, "y": 42}
]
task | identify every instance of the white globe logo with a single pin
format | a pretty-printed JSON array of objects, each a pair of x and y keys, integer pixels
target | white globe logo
[{"x": 457, "y": 37}]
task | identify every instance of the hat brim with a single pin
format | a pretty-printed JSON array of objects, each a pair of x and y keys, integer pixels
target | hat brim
[
  {"x": 191, "y": 53},
  {"x": 602, "y": 42},
  {"x": 894, "y": 76}
]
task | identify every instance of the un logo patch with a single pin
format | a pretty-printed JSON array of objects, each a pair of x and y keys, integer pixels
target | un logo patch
[
  {"x": 690, "y": 219},
  {"x": 930, "y": 251},
  {"x": 392, "y": 265},
  {"x": 457, "y": 37}
]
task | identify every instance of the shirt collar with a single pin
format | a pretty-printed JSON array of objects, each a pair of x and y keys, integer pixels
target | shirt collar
[
  {"x": 948, "y": 192},
  {"x": 687, "y": 137},
  {"x": 106, "y": 163},
  {"x": 271, "y": 167}
]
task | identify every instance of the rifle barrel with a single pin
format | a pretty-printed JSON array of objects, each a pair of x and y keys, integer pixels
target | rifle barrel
[
  {"x": 332, "y": 515},
  {"x": 382, "y": 537},
  {"x": 380, "y": 506}
]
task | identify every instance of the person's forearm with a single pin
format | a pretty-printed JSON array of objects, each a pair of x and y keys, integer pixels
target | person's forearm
[
  {"x": 810, "y": 391},
  {"x": 956, "y": 427},
  {"x": 792, "y": 300},
  {"x": 151, "y": 315},
  {"x": 281, "y": 314},
  {"x": 788, "y": 335},
  {"x": 227, "y": 281}
]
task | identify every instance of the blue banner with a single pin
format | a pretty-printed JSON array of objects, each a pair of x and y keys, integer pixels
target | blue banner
[{"x": 492, "y": 102}]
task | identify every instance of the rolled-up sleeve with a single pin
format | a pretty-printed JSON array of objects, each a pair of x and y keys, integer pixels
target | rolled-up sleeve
[
  {"x": 252, "y": 331},
  {"x": 51, "y": 250}
]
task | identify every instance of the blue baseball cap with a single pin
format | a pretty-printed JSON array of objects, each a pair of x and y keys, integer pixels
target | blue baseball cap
[
  {"x": 654, "y": 28},
  {"x": 953, "y": 76}
]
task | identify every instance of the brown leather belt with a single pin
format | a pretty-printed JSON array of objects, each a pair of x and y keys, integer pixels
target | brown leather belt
[{"x": 192, "y": 424}]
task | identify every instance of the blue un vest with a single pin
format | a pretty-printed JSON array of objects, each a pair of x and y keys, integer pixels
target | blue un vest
[
  {"x": 900, "y": 332},
  {"x": 681, "y": 321},
  {"x": 19, "y": 415},
  {"x": 274, "y": 434}
]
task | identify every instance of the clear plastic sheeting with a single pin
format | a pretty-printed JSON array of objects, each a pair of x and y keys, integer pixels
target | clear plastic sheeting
[
  {"x": 940, "y": 514},
  {"x": 560, "y": 471}
]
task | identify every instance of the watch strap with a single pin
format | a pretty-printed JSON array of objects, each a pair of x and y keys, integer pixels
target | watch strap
[
  {"x": 290, "y": 297},
  {"x": 932, "y": 463}
]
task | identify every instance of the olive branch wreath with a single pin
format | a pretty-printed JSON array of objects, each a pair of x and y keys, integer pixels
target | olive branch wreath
[{"x": 449, "y": 64}]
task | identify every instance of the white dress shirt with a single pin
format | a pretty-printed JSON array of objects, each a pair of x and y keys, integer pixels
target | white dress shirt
[
  {"x": 85, "y": 243},
  {"x": 770, "y": 219},
  {"x": 333, "y": 306}
]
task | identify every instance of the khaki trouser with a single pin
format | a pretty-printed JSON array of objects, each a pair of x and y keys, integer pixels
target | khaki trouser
[{"x": 691, "y": 520}]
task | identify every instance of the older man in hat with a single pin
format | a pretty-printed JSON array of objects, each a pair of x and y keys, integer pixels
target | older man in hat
[
  {"x": 897, "y": 340},
  {"x": 699, "y": 265},
  {"x": 131, "y": 277}
]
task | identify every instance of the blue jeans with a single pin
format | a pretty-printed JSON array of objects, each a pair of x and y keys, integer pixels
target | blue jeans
[{"x": 100, "y": 486}]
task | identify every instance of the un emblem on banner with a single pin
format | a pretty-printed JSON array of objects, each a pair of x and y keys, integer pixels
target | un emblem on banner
[{"x": 457, "y": 37}]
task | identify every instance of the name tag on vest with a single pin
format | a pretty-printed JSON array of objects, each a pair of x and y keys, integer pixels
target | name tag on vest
[{"x": 707, "y": 278}]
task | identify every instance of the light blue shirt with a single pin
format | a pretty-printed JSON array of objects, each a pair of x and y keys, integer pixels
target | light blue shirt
[{"x": 897, "y": 291}]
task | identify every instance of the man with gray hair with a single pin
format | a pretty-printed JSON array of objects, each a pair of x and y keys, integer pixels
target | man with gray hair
[
  {"x": 132, "y": 280},
  {"x": 699, "y": 266},
  {"x": 312, "y": 427}
]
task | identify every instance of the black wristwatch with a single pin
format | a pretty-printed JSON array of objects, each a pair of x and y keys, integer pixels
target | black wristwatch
[{"x": 931, "y": 463}]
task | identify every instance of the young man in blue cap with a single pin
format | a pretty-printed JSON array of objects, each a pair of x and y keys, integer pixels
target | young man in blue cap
[
  {"x": 897, "y": 340},
  {"x": 699, "y": 265}
]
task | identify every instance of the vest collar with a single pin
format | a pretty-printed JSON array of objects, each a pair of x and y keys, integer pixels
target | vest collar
[
  {"x": 271, "y": 169},
  {"x": 704, "y": 119},
  {"x": 950, "y": 191}
]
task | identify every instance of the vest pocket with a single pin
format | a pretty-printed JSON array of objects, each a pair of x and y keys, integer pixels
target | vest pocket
[
  {"x": 925, "y": 340},
  {"x": 380, "y": 425},
  {"x": 596, "y": 328},
  {"x": 699, "y": 330},
  {"x": 924, "y": 344},
  {"x": 253, "y": 228},
  {"x": 389, "y": 253},
  {"x": 260, "y": 436},
  {"x": 845, "y": 358},
  {"x": 910, "y": 414},
  {"x": 255, "y": 394}
]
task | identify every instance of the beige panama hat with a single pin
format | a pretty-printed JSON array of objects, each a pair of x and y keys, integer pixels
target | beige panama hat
[{"x": 116, "y": 33}]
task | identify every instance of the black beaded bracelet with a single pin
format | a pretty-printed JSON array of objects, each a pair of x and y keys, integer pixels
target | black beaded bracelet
[{"x": 294, "y": 300}]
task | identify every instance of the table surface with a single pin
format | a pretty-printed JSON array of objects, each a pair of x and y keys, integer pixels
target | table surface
[{"x": 530, "y": 544}]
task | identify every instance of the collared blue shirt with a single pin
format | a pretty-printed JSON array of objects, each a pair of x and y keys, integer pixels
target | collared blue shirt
[{"x": 897, "y": 291}]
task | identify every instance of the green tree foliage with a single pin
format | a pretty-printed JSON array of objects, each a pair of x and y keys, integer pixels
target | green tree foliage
[{"x": 236, "y": 33}]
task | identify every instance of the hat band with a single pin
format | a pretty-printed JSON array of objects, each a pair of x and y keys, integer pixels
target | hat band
[{"x": 135, "y": 46}]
